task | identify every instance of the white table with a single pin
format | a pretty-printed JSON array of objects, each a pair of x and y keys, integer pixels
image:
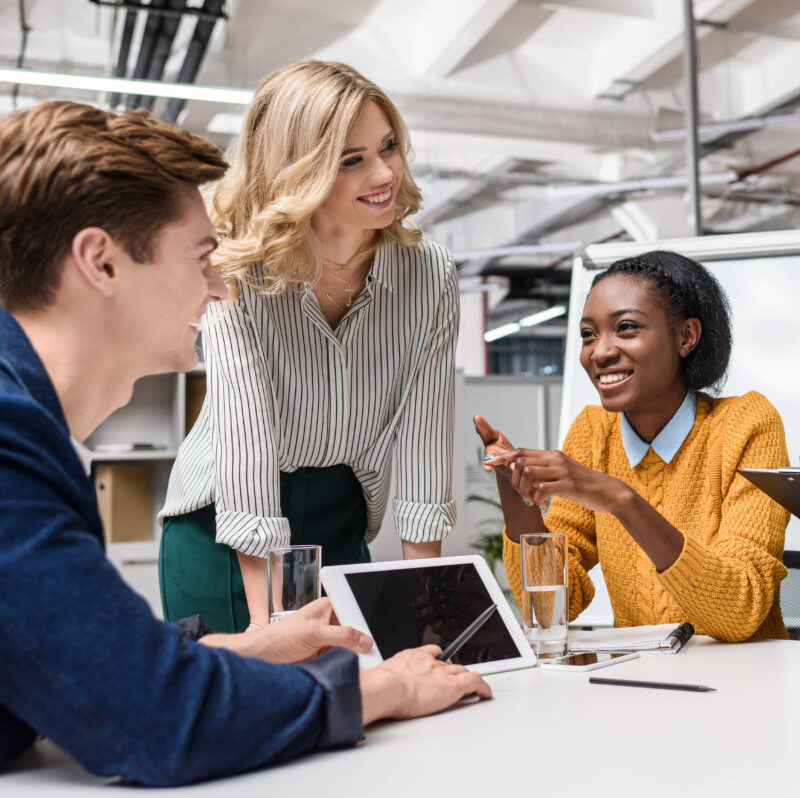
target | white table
[{"x": 546, "y": 733}]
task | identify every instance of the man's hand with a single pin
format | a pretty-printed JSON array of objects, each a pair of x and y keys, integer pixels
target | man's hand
[
  {"x": 414, "y": 683},
  {"x": 301, "y": 636}
]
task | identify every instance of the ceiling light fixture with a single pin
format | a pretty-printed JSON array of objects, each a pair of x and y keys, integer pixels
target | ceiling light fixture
[
  {"x": 149, "y": 88},
  {"x": 501, "y": 332},
  {"x": 527, "y": 321},
  {"x": 543, "y": 315}
]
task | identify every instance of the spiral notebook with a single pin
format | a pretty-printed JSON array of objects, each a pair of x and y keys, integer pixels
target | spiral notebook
[{"x": 665, "y": 638}]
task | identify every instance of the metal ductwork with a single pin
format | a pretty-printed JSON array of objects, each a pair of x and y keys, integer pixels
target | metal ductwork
[
  {"x": 158, "y": 37},
  {"x": 154, "y": 49},
  {"x": 194, "y": 54},
  {"x": 124, "y": 52}
]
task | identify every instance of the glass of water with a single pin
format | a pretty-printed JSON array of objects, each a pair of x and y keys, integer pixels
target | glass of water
[
  {"x": 545, "y": 605},
  {"x": 293, "y": 575}
]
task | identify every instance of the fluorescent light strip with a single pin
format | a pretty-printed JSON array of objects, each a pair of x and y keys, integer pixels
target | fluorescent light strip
[
  {"x": 543, "y": 315},
  {"x": 501, "y": 332},
  {"x": 149, "y": 88},
  {"x": 528, "y": 321}
]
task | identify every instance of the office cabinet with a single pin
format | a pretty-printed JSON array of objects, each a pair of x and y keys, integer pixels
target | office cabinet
[
  {"x": 132, "y": 454},
  {"x": 124, "y": 498}
]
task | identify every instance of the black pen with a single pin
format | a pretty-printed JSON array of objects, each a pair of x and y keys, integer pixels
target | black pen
[
  {"x": 694, "y": 688},
  {"x": 467, "y": 633}
]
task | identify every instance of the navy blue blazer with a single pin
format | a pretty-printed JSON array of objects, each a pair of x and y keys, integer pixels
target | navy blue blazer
[{"x": 82, "y": 659}]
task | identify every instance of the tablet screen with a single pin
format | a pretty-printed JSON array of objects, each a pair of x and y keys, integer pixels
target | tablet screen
[{"x": 414, "y": 606}]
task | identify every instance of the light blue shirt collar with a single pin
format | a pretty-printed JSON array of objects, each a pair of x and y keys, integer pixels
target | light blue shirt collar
[{"x": 668, "y": 441}]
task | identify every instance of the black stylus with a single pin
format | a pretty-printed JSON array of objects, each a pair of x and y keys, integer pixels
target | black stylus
[
  {"x": 467, "y": 633},
  {"x": 695, "y": 688}
]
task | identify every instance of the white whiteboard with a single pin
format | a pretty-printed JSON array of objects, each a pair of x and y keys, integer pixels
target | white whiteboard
[{"x": 760, "y": 273}]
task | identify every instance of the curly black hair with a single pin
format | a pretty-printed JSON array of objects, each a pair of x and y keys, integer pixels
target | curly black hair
[{"x": 687, "y": 290}]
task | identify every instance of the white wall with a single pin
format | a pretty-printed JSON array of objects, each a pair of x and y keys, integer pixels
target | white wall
[
  {"x": 471, "y": 350},
  {"x": 527, "y": 410}
]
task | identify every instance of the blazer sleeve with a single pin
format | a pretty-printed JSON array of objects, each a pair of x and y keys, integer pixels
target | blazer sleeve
[{"x": 84, "y": 662}]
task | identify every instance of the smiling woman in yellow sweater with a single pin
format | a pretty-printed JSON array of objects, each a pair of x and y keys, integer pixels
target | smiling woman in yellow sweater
[{"x": 647, "y": 484}]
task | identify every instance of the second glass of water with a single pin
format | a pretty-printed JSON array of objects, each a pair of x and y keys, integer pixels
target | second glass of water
[
  {"x": 545, "y": 604},
  {"x": 293, "y": 575}
]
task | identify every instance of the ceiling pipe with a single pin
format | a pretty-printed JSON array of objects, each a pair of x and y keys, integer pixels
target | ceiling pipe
[
  {"x": 566, "y": 258},
  {"x": 764, "y": 167},
  {"x": 761, "y": 197},
  {"x": 124, "y": 53},
  {"x": 161, "y": 50},
  {"x": 695, "y": 216},
  {"x": 136, "y": 5},
  {"x": 25, "y": 29},
  {"x": 662, "y": 182},
  {"x": 511, "y": 179},
  {"x": 522, "y": 249},
  {"x": 152, "y": 29},
  {"x": 195, "y": 53},
  {"x": 713, "y": 130}
]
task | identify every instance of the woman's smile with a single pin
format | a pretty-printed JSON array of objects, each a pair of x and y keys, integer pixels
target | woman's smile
[
  {"x": 379, "y": 199},
  {"x": 612, "y": 379}
]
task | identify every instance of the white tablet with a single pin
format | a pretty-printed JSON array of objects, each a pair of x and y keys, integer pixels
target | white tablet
[{"x": 411, "y": 603}]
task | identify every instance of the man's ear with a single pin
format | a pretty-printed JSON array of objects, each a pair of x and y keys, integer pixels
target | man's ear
[{"x": 96, "y": 258}]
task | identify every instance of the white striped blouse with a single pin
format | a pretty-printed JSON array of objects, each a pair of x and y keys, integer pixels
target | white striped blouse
[{"x": 285, "y": 391}]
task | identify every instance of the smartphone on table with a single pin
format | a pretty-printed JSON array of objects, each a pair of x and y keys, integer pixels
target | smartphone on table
[{"x": 587, "y": 660}]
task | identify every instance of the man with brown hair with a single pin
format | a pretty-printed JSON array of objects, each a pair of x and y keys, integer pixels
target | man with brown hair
[{"x": 105, "y": 272}]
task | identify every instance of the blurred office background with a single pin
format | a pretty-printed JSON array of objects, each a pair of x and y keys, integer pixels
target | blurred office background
[{"x": 539, "y": 126}]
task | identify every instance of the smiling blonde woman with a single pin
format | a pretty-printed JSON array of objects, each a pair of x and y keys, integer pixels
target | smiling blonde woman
[{"x": 333, "y": 365}]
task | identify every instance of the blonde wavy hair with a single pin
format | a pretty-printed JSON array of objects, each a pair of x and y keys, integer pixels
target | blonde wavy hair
[{"x": 283, "y": 166}]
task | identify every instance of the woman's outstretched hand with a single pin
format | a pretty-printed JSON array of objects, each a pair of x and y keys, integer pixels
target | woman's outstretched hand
[
  {"x": 494, "y": 441},
  {"x": 538, "y": 474},
  {"x": 519, "y": 515}
]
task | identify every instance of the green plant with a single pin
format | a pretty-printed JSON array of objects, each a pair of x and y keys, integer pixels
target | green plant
[
  {"x": 490, "y": 545},
  {"x": 489, "y": 542}
]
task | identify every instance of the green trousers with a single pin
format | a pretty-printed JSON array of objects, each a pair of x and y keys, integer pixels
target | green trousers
[{"x": 196, "y": 574}]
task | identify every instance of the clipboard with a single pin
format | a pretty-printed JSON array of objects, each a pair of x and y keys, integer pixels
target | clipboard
[{"x": 780, "y": 484}]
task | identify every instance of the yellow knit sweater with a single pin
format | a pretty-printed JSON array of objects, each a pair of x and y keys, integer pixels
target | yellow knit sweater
[{"x": 726, "y": 580}]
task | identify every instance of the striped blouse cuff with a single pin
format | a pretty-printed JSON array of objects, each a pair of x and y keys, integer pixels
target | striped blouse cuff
[
  {"x": 423, "y": 523},
  {"x": 251, "y": 534}
]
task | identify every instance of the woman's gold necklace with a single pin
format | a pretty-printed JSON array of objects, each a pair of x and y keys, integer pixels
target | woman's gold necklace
[
  {"x": 351, "y": 291},
  {"x": 340, "y": 267}
]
